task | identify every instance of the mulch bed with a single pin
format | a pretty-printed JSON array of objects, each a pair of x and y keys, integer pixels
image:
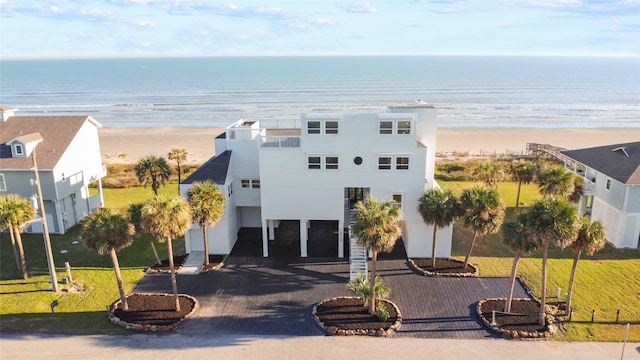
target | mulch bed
[
  {"x": 347, "y": 316},
  {"x": 444, "y": 267},
  {"x": 153, "y": 312},
  {"x": 178, "y": 261},
  {"x": 514, "y": 325}
]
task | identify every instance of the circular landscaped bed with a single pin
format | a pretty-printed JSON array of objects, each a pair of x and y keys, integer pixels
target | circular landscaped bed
[
  {"x": 348, "y": 316},
  {"x": 178, "y": 261},
  {"x": 521, "y": 323},
  {"x": 152, "y": 312},
  {"x": 215, "y": 263},
  {"x": 444, "y": 267}
]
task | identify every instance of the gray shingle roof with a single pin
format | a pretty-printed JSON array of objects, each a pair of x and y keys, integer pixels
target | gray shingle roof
[
  {"x": 215, "y": 169},
  {"x": 616, "y": 164},
  {"x": 57, "y": 133}
]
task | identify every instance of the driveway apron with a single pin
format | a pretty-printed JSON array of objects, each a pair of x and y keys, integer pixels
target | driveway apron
[{"x": 258, "y": 296}]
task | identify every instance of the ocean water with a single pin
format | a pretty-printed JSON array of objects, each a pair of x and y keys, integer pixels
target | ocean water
[{"x": 469, "y": 91}]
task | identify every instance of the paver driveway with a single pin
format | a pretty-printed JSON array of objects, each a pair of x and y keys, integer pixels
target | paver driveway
[{"x": 257, "y": 296}]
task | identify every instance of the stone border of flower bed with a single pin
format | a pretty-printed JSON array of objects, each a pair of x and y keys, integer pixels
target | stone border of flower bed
[
  {"x": 551, "y": 328},
  {"x": 153, "y": 328},
  {"x": 421, "y": 271},
  {"x": 335, "y": 331}
]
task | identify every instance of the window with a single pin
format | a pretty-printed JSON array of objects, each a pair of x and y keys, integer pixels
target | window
[
  {"x": 230, "y": 190},
  {"x": 314, "y": 162},
  {"x": 384, "y": 163},
  {"x": 404, "y": 127},
  {"x": 397, "y": 199},
  {"x": 313, "y": 127},
  {"x": 19, "y": 150},
  {"x": 255, "y": 183},
  {"x": 386, "y": 127},
  {"x": 608, "y": 186},
  {"x": 3, "y": 184},
  {"x": 402, "y": 163},
  {"x": 331, "y": 162},
  {"x": 331, "y": 127},
  {"x": 245, "y": 183}
]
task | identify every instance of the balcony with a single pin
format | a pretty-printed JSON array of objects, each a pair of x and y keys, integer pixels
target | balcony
[{"x": 280, "y": 141}]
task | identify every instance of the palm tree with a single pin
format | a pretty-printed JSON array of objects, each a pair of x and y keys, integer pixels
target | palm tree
[
  {"x": 166, "y": 219},
  {"x": 521, "y": 171},
  {"x": 154, "y": 170},
  {"x": 178, "y": 155},
  {"x": 135, "y": 219},
  {"x": 489, "y": 172},
  {"x": 106, "y": 231},
  {"x": 483, "y": 213},
  {"x": 438, "y": 208},
  {"x": 591, "y": 238},
  {"x": 555, "y": 180},
  {"x": 207, "y": 206},
  {"x": 550, "y": 221},
  {"x": 15, "y": 211},
  {"x": 516, "y": 237},
  {"x": 377, "y": 227}
]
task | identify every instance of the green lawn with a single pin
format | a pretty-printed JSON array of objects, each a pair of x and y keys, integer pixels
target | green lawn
[
  {"x": 25, "y": 304},
  {"x": 606, "y": 282}
]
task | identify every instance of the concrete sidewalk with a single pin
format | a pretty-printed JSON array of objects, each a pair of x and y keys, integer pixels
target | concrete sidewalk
[{"x": 176, "y": 346}]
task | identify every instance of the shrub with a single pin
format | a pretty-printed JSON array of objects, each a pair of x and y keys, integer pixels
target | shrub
[
  {"x": 361, "y": 288},
  {"x": 381, "y": 311}
]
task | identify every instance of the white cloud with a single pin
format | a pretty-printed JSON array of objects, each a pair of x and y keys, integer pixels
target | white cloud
[{"x": 358, "y": 7}]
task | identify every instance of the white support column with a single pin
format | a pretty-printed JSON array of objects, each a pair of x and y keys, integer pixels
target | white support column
[
  {"x": 272, "y": 231},
  {"x": 341, "y": 238},
  {"x": 265, "y": 241},
  {"x": 304, "y": 234}
]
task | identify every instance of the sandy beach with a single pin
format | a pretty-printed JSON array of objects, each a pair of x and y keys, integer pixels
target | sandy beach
[{"x": 129, "y": 144}]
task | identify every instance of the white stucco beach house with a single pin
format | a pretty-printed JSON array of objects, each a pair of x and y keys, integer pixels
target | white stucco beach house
[
  {"x": 68, "y": 159},
  {"x": 303, "y": 176},
  {"x": 611, "y": 189}
]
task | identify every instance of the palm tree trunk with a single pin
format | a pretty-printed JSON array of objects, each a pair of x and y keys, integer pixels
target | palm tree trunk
[
  {"x": 573, "y": 276},
  {"x": 23, "y": 262},
  {"x": 179, "y": 177},
  {"x": 174, "y": 283},
  {"x": 116, "y": 268},
  {"x": 473, "y": 242},
  {"x": 543, "y": 296},
  {"x": 206, "y": 245},
  {"x": 518, "y": 196},
  {"x": 514, "y": 271},
  {"x": 372, "y": 282},
  {"x": 15, "y": 248},
  {"x": 433, "y": 247},
  {"x": 155, "y": 252}
]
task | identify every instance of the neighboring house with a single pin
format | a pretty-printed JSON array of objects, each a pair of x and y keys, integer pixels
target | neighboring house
[
  {"x": 611, "y": 189},
  {"x": 67, "y": 152},
  {"x": 303, "y": 177}
]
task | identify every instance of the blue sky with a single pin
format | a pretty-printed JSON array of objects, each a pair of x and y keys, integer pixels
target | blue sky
[{"x": 130, "y": 28}]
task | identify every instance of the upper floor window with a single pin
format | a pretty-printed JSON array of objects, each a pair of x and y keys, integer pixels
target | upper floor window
[
  {"x": 329, "y": 127},
  {"x": 250, "y": 183},
  {"x": 255, "y": 183},
  {"x": 608, "y": 185},
  {"x": 384, "y": 163},
  {"x": 331, "y": 162},
  {"x": 18, "y": 149},
  {"x": 386, "y": 127},
  {"x": 318, "y": 162},
  {"x": 246, "y": 183},
  {"x": 404, "y": 127},
  {"x": 313, "y": 162},
  {"x": 3, "y": 184},
  {"x": 402, "y": 163}
]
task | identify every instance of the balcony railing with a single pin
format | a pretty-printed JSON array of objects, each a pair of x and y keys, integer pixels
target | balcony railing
[{"x": 281, "y": 141}]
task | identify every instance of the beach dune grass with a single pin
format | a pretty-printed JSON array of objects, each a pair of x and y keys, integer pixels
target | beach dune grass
[{"x": 606, "y": 282}]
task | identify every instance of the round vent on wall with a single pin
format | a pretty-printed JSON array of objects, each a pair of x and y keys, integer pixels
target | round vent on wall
[{"x": 357, "y": 160}]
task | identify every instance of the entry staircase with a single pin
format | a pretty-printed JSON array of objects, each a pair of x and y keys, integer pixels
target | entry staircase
[{"x": 358, "y": 255}]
